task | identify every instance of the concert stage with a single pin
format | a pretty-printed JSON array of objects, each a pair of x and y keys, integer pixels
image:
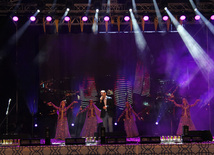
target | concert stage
[{"x": 135, "y": 148}]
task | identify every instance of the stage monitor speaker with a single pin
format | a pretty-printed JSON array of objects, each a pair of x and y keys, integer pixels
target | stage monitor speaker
[
  {"x": 30, "y": 142},
  {"x": 75, "y": 141},
  {"x": 204, "y": 134},
  {"x": 116, "y": 140},
  {"x": 149, "y": 140},
  {"x": 189, "y": 139}
]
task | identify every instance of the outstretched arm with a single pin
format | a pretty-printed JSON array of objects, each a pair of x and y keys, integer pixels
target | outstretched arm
[
  {"x": 121, "y": 115},
  {"x": 82, "y": 111},
  {"x": 71, "y": 104},
  {"x": 177, "y": 105},
  {"x": 53, "y": 105},
  {"x": 192, "y": 105},
  {"x": 135, "y": 114}
]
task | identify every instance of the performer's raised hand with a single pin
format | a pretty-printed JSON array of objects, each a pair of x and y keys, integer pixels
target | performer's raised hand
[{"x": 49, "y": 103}]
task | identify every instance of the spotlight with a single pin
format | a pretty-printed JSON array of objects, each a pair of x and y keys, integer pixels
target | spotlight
[
  {"x": 115, "y": 123},
  {"x": 156, "y": 123},
  {"x": 212, "y": 17},
  {"x": 38, "y": 10},
  {"x": 33, "y": 18},
  {"x": 72, "y": 124},
  {"x": 197, "y": 17},
  {"x": 146, "y": 18},
  {"x": 48, "y": 18},
  {"x": 67, "y": 9},
  {"x": 97, "y": 10},
  {"x": 15, "y": 18},
  {"x": 84, "y": 18},
  {"x": 130, "y": 10},
  {"x": 182, "y": 17},
  {"x": 165, "y": 8},
  {"x": 195, "y": 9},
  {"x": 106, "y": 18},
  {"x": 165, "y": 18},
  {"x": 67, "y": 18},
  {"x": 126, "y": 18},
  {"x": 36, "y": 125}
]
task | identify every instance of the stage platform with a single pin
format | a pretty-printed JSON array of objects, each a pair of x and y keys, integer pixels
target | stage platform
[{"x": 59, "y": 147}]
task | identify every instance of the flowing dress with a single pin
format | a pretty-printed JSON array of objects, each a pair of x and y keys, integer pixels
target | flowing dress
[
  {"x": 129, "y": 123},
  {"x": 62, "y": 129},
  {"x": 91, "y": 121},
  {"x": 185, "y": 120}
]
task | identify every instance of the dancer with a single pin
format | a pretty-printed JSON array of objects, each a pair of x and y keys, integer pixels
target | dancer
[
  {"x": 129, "y": 121},
  {"x": 62, "y": 130},
  {"x": 185, "y": 117},
  {"x": 107, "y": 111},
  {"x": 91, "y": 121}
]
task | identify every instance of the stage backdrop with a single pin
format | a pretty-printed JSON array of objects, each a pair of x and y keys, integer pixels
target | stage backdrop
[{"x": 109, "y": 58}]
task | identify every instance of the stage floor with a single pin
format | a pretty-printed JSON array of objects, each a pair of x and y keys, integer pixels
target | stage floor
[{"x": 59, "y": 147}]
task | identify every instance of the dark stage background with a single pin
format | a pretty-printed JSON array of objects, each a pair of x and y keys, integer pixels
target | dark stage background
[{"x": 39, "y": 68}]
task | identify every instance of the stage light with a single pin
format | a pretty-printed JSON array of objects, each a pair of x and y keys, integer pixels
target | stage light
[
  {"x": 165, "y": 18},
  {"x": 195, "y": 9},
  {"x": 212, "y": 17},
  {"x": 202, "y": 59},
  {"x": 126, "y": 18},
  {"x": 38, "y": 10},
  {"x": 67, "y": 9},
  {"x": 156, "y": 123},
  {"x": 115, "y": 123},
  {"x": 84, "y": 18},
  {"x": 15, "y": 18},
  {"x": 182, "y": 17},
  {"x": 106, "y": 18},
  {"x": 67, "y": 18},
  {"x": 97, "y": 10},
  {"x": 146, "y": 18},
  {"x": 165, "y": 8},
  {"x": 33, "y": 18},
  {"x": 197, "y": 17},
  {"x": 36, "y": 125},
  {"x": 49, "y": 18},
  {"x": 130, "y": 10},
  {"x": 72, "y": 124}
]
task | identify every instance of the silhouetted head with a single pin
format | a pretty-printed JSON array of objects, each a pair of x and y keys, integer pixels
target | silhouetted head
[
  {"x": 185, "y": 102},
  {"x": 62, "y": 103}
]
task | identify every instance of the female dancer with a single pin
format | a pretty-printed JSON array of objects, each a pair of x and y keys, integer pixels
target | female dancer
[
  {"x": 62, "y": 130},
  {"x": 185, "y": 117},
  {"x": 91, "y": 121},
  {"x": 129, "y": 121}
]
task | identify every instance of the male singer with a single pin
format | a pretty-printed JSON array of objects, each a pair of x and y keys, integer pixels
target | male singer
[{"x": 107, "y": 111}]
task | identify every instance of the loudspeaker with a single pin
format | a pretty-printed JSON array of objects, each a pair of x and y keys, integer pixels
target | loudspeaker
[
  {"x": 189, "y": 139},
  {"x": 29, "y": 142},
  {"x": 116, "y": 140},
  {"x": 148, "y": 140},
  {"x": 204, "y": 134},
  {"x": 75, "y": 141}
]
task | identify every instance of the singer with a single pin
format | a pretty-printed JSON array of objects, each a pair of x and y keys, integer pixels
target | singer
[{"x": 107, "y": 111}]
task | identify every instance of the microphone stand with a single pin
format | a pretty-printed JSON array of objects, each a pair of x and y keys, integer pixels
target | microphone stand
[{"x": 7, "y": 112}]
